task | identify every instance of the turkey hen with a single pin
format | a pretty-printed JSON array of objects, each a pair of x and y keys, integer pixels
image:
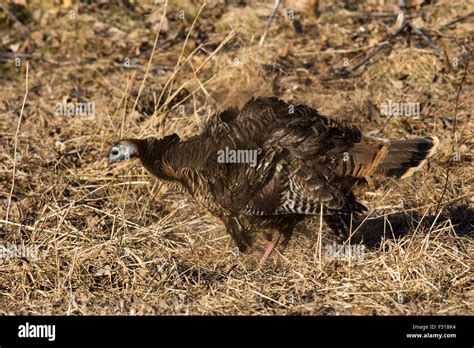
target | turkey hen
[{"x": 271, "y": 164}]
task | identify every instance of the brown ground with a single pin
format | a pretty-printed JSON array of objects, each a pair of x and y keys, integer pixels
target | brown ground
[{"x": 116, "y": 241}]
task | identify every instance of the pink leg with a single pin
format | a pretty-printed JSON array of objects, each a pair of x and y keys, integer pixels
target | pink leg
[{"x": 269, "y": 250}]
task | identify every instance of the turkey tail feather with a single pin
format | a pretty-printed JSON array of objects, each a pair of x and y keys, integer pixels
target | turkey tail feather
[
  {"x": 393, "y": 158},
  {"x": 405, "y": 157}
]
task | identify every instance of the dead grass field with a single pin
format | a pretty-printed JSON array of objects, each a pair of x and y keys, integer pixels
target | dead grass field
[{"x": 117, "y": 241}]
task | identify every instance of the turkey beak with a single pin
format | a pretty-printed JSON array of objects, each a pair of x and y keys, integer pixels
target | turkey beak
[{"x": 109, "y": 161}]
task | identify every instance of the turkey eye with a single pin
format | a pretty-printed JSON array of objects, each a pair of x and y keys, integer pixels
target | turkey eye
[{"x": 114, "y": 152}]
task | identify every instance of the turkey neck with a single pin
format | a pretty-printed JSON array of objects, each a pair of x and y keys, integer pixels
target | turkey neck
[{"x": 168, "y": 158}]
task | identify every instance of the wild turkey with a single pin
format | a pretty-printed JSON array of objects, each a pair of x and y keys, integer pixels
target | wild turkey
[{"x": 302, "y": 161}]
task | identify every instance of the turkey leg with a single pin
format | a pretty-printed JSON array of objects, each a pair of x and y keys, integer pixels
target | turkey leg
[{"x": 269, "y": 250}]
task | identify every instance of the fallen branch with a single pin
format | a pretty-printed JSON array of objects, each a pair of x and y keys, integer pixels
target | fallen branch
[
  {"x": 378, "y": 48},
  {"x": 456, "y": 20},
  {"x": 270, "y": 20},
  {"x": 425, "y": 38},
  {"x": 10, "y": 14}
]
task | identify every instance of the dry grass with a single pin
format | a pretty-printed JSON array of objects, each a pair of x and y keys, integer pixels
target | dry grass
[{"x": 116, "y": 241}]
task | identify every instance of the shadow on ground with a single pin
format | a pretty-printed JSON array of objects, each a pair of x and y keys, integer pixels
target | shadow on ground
[{"x": 397, "y": 225}]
